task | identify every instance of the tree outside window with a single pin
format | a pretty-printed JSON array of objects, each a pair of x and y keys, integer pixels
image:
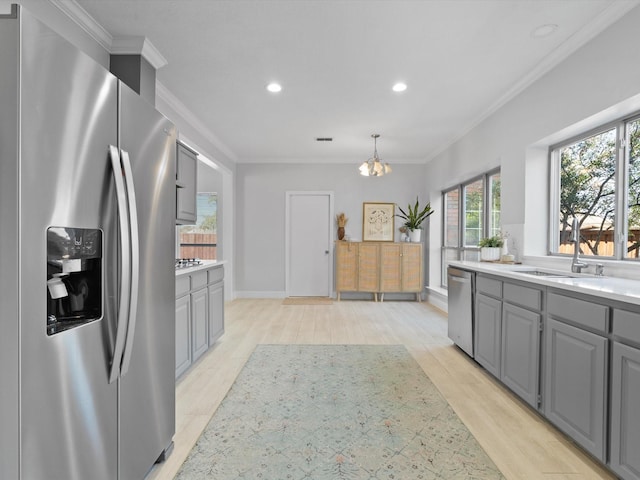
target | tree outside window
[
  {"x": 633, "y": 197},
  {"x": 473, "y": 212},
  {"x": 592, "y": 171},
  {"x": 587, "y": 192}
]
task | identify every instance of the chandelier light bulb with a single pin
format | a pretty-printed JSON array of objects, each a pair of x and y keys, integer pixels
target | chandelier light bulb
[{"x": 374, "y": 167}]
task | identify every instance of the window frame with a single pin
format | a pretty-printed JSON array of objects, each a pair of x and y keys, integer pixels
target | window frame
[
  {"x": 463, "y": 251},
  {"x": 621, "y": 179},
  {"x": 180, "y": 230}
]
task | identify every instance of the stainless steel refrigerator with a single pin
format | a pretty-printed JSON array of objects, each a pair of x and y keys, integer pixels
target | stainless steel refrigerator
[{"x": 87, "y": 285}]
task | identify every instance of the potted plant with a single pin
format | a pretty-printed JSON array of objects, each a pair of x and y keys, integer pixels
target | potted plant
[
  {"x": 413, "y": 219},
  {"x": 490, "y": 248}
]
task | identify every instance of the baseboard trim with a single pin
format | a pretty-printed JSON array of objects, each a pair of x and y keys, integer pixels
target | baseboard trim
[
  {"x": 255, "y": 294},
  {"x": 438, "y": 298}
]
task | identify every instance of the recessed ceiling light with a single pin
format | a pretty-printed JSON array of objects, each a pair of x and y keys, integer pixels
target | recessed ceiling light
[
  {"x": 274, "y": 87},
  {"x": 544, "y": 30},
  {"x": 399, "y": 87}
]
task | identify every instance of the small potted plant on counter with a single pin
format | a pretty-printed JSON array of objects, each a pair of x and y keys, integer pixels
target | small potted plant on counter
[
  {"x": 490, "y": 248},
  {"x": 413, "y": 219}
]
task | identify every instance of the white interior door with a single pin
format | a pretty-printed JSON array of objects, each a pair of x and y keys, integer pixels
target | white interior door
[{"x": 309, "y": 246}]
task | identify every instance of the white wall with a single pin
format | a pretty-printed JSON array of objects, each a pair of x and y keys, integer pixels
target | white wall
[
  {"x": 260, "y": 222},
  {"x": 581, "y": 90}
]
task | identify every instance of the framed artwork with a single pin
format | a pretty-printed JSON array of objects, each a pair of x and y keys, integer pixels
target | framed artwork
[{"x": 377, "y": 222}]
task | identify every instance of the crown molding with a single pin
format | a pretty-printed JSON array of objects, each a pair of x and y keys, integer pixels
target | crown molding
[
  {"x": 173, "y": 102},
  {"x": 85, "y": 21},
  {"x": 123, "y": 45},
  {"x": 611, "y": 14},
  {"x": 138, "y": 45}
]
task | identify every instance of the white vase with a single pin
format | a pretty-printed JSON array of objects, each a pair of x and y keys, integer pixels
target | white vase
[
  {"x": 490, "y": 254},
  {"x": 414, "y": 235}
]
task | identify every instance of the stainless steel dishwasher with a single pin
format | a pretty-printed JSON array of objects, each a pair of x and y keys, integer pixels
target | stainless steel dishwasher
[{"x": 460, "y": 285}]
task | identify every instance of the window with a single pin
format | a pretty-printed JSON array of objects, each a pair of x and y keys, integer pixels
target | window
[
  {"x": 200, "y": 240},
  {"x": 466, "y": 221},
  {"x": 473, "y": 201},
  {"x": 494, "y": 204},
  {"x": 597, "y": 182}
]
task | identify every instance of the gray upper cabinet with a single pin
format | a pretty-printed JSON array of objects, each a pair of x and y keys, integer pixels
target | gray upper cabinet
[
  {"x": 576, "y": 373},
  {"x": 521, "y": 351},
  {"x": 186, "y": 186}
]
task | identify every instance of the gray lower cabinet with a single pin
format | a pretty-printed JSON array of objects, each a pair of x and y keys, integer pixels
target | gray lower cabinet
[
  {"x": 199, "y": 314},
  {"x": 507, "y": 334},
  {"x": 575, "y": 384},
  {"x": 200, "y": 322},
  {"x": 586, "y": 364},
  {"x": 216, "y": 311},
  {"x": 625, "y": 418},
  {"x": 183, "y": 334},
  {"x": 625, "y": 395},
  {"x": 487, "y": 333},
  {"x": 520, "y": 359}
]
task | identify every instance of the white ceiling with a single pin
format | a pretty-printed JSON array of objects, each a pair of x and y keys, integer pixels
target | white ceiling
[{"x": 337, "y": 61}]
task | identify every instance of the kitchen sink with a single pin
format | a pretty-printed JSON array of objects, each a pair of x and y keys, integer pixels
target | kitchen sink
[{"x": 542, "y": 273}]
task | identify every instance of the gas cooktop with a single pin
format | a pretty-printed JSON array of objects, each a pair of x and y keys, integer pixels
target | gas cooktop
[{"x": 187, "y": 262}]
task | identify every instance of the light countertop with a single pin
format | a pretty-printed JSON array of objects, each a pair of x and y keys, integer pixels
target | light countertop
[
  {"x": 612, "y": 288},
  {"x": 205, "y": 265}
]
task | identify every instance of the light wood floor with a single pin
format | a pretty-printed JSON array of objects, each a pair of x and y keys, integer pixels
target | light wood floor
[{"x": 518, "y": 440}]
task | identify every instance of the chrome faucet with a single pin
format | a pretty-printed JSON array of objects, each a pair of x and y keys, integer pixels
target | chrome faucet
[{"x": 576, "y": 264}]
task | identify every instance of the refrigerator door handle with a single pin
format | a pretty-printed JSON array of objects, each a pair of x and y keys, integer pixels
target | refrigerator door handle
[
  {"x": 125, "y": 263},
  {"x": 135, "y": 262}
]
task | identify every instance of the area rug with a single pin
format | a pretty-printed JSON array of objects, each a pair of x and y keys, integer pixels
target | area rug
[
  {"x": 307, "y": 301},
  {"x": 335, "y": 412}
]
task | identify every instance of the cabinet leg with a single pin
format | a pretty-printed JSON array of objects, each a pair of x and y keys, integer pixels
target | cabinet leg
[{"x": 382, "y": 297}]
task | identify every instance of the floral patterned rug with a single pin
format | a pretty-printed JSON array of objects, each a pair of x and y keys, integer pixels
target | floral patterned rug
[{"x": 335, "y": 412}]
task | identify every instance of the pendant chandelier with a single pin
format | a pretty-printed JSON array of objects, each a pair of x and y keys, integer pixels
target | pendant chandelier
[{"x": 374, "y": 167}]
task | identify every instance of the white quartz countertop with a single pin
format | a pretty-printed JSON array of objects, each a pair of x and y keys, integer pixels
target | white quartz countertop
[
  {"x": 205, "y": 265},
  {"x": 612, "y": 288}
]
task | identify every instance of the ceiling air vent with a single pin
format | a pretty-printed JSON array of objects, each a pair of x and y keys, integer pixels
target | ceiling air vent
[{"x": 324, "y": 139}]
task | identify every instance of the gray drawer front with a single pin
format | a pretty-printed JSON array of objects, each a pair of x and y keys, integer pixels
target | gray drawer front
[
  {"x": 183, "y": 285},
  {"x": 215, "y": 274},
  {"x": 489, "y": 286},
  {"x": 523, "y": 296},
  {"x": 581, "y": 312},
  {"x": 198, "y": 279},
  {"x": 626, "y": 325}
]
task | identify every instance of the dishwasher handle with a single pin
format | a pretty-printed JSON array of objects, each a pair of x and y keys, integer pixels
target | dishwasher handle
[{"x": 453, "y": 278}]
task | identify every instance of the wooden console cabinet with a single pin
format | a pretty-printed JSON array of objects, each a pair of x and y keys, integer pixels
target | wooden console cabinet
[{"x": 379, "y": 268}]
